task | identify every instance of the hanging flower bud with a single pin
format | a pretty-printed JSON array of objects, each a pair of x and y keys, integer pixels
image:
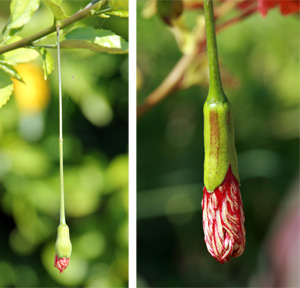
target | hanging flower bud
[
  {"x": 63, "y": 248},
  {"x": 223, "y": 215}
]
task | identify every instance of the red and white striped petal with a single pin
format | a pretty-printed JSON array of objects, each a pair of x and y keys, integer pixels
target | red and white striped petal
[{"x": 223, "y": 220}]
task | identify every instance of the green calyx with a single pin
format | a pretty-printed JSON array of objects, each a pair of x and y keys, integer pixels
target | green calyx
[
  {"x": 63, "y": 246},
  {"x": 218, "y": 143}
]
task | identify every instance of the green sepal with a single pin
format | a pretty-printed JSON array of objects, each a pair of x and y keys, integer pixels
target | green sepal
[
  {"x": 63, "y": 246},
  {"x": 218, "y": 143}
]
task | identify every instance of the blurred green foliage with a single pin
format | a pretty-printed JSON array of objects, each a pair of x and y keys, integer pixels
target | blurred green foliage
[
  {"x": 95, "y": 117},
  {"x": 263, "y": 58}
]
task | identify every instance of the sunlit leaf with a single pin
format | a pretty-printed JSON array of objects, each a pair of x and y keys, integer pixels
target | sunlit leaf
[
  {"x": 118, "y": 5},
  {"x": 119, "y": 8},
  {"x": 20, "y": 55},
  {"x": 6, "y": 87},
  {"x": 21, "y": 12},
  {"x": 10, "y": 70},
  {"x": 95, "y": 40},
  {"x": 119, "y": 13},
  {"x": 48, "y": 63},
  {"x": 55, "y": 6}
]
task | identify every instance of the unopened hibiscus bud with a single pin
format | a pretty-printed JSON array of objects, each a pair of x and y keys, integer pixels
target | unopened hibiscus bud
[
  {"x": 63, "y": 248},
  {"x": 223, "y": 220},
  {"x": 223, "y": 216}
]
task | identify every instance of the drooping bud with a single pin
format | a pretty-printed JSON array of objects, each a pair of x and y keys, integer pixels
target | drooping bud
[
  {"x": 223, "y": 215},
  {"x": 223, "y": 220},
  {"x": 63, "y": 248}
]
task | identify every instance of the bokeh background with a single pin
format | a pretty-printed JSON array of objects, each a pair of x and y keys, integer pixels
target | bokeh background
[
  {"x": 95, "y": 114},
  {"x": 261, "y": 56}
]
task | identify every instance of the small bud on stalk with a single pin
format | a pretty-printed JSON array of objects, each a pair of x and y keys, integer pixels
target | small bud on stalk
[
  {"x": 63, "y": 248},
  {"x": 223, "y": 215}
]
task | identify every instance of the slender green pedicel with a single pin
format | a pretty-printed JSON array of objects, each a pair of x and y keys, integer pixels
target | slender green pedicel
[
  {"x": 63, "y": 246},
  {"x": 61, "y": 158},
  {"x": 218, "y": 127}
]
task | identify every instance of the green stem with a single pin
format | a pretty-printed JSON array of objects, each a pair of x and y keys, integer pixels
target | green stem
[
  {"x": 61, "y": 158},
  {"x": 63, "y": 23},
  {"x": 62, "y": 196},
  {"x": 216, "y": 93}
]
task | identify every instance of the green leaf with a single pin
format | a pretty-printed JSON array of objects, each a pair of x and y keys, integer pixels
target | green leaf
[
  {"x": 95, "y": 40},
  {"x": 10, "y": 70},
  {"x": 6, "y": 87},
  {"x": 118, "y": 8},
  {"x": 47, "y": 61},
  {"x": 118, "y": 5},
  {"x": 169, "y": 10},
  {"x": 20, "y": 13},
  {"x": 55, "y": 6},
  {"x": 20, "y": 55},
  {"x": 118, "y": 13}
]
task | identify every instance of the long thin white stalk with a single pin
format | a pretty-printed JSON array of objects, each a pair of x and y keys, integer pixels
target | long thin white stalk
[{"x": 61, "y": 165}]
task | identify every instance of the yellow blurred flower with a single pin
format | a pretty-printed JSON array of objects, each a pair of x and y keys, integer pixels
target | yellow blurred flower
[{"x": 34, "y": 95}]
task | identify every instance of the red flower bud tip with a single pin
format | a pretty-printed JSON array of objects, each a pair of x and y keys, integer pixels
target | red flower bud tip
[
  {"x": 61, "y": 263},
  {"x": 223, "y": 220}
]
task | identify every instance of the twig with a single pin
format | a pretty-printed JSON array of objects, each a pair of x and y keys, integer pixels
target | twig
[
  {"x": 172, "y": 80},
  {"x": 63, "y": 23},
  {"x": 236, "y": 19},
  {"x": 167, "y": 86}
]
